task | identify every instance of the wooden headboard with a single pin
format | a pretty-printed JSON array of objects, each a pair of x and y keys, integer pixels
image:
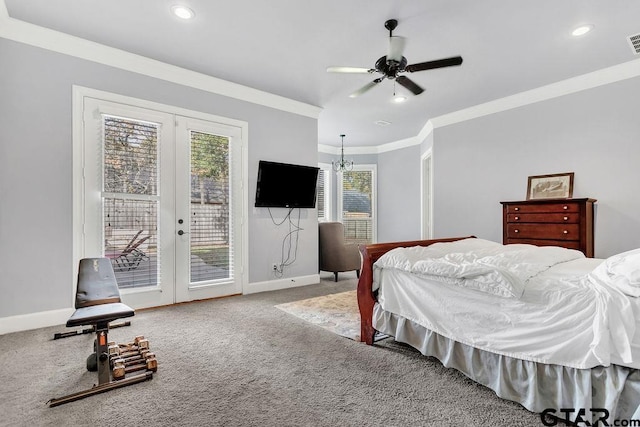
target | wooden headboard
[{"x": 366, "y": 297}]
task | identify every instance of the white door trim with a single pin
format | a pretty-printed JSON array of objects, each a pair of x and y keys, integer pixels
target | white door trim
[{"x": 426, "y": 195}]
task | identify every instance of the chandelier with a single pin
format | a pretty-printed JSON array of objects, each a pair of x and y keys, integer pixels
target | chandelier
[{"x": 342, "y": 165}]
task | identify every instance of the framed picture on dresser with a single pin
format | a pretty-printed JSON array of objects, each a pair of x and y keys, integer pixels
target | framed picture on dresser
[{"x": 554, "y": 186}]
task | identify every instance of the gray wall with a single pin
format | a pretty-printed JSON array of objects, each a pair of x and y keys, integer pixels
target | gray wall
[
  {"x": 399, "y": 195},
  {"x": 36, "y": 271},
  {"x": 594, "y": 133}
]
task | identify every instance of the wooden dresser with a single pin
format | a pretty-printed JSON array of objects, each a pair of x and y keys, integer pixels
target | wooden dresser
[{"x": 559, "y": 222}]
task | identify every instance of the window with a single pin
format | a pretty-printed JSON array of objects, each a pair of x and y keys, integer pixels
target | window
[
  {"x": 357, "y": 204},
  {"x": 324, "y": 193}
]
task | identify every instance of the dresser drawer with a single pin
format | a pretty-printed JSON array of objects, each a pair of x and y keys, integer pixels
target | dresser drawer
[
  {"x": 569, "y": 244},
  {"x": 543, "y": 207},
  {"x": 543, "y": 231},
  {"x": 570, "y": 218}
]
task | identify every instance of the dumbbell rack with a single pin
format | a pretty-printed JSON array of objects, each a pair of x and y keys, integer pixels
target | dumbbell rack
[
  {"x": 122, "y": 359},
  {"x": 131, "y": 357}
]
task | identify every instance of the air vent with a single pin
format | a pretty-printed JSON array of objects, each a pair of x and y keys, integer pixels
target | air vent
[
  {"x": 382, "y": 123},
  {"x": 634, "y": 41}
]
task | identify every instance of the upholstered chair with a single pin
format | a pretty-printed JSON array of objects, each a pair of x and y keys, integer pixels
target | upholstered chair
[{"x": 335, "y": 254}]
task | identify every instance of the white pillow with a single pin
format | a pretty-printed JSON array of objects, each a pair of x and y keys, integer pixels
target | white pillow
[{"x": 622, "y": 271}]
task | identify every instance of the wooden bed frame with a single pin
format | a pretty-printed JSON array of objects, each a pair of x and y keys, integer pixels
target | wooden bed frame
[{"x": 366, "y": 297}]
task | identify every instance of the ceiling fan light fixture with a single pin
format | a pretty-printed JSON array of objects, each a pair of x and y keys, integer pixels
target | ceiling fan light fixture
[
  {"x": 399, "y": 99},
  {"x": 396, "y": 47},
  {"x": 392, "y": 65},
  {"x": 182, "y": 12},
  {"x": 582, "y": 30}
]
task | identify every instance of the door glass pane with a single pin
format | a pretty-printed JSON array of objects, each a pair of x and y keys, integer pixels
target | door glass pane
[
  {"x": 130, "y": 156},
  {"x": 357, "y": 198},
  {"x": 211, "y": 254},
  {"x": 130, "y": 200}
]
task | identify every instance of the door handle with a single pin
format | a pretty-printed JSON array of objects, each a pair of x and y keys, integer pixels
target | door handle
[{"x": 180, "y": 232}]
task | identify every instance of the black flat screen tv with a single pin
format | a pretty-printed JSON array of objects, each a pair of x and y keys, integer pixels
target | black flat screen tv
[{"x": 282, "y": 185}]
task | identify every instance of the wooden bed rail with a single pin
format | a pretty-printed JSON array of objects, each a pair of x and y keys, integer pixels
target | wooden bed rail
[{"x": 366, "y": 297}]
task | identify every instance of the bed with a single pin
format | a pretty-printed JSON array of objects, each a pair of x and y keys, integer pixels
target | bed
[{"x": 559, "y": 334}]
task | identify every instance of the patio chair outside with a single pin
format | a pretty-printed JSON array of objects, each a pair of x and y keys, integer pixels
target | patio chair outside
[{"x": 131, "y": 256}]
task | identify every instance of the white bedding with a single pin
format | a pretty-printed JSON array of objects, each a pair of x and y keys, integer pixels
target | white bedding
[{"x": 522, "y": 301}]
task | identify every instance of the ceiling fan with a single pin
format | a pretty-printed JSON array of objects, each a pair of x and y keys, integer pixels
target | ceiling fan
[{"x": 394, "y": 64}]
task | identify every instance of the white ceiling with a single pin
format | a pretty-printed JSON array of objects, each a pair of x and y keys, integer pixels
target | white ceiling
[{"x": 284, "y": 46}]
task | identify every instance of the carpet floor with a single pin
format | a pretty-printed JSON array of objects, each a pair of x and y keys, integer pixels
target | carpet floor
[{"x": 240, "y": 361}]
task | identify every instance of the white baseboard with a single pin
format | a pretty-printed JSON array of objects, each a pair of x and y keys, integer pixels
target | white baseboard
[
  {"x": 43, "y": 319},
  {"x": 274, "y": 285}
]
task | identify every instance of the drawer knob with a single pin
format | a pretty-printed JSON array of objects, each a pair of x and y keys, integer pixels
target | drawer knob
[
  {"x": 566, "y": 218},
  {"x": 565, "y": 207},
  {"x": 565, "y": 231},
  {"x": 516, "y": 218},
  {"x": 516, "y": 209},
  {"x": 516, "y": 231}
]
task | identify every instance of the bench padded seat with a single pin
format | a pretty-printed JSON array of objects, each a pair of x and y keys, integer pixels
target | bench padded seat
[{"x": 99, "y": 313}]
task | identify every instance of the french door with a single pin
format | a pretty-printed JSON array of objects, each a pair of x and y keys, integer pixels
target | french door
[
  {"x": 207, "y": 195},
  {"x": 162, "y": 200}
]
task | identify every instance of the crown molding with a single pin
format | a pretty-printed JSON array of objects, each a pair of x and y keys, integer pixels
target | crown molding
[
  {"x": 605, "y": 76},
  {"x": 400, "y": 144},
  {"x": 371, "y": 149},
  {"x": 328, "y": 149},
  {"x": 602, "y": 77},
  {"x": 66, "y": 44}
]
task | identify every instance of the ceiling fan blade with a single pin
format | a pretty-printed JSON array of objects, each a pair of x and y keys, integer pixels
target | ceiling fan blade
[
  {"x": 365, "y": 88},
  {"x": 429, "y": 65},
  {"x": 352, "y": 70},
  {"x": 396, "y": 48},
  {"x": 409, "y": 84}
]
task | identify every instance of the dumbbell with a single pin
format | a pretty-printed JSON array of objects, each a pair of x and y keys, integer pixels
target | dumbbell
[
  {"x": 138, "y": 343},
  {"x": 138, "y": 357},
  {"x": 122, "y": 367},
  {"x": 118, "y": 371},
  {"x": 133, "y": 360},
  {"x": 150, "y": 363}
]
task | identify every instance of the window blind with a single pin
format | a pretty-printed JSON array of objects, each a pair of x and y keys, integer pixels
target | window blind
[
  {"x": 210, "y": 212},
  {"x": 130, "y": 199},
  {"x": 357, "y": 197},
  {"x": 320, "y": 201}
]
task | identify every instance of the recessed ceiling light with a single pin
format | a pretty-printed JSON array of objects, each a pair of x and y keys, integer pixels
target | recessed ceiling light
[
  {"x": 382, "y": 123},
  {"x": 398, "y": 99},
  {"x": 182, "y": 12},
  {"x": 582, "y": 30}
]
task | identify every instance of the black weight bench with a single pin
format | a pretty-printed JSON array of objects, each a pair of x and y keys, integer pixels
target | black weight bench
[{"x": 98, "y": 303}]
